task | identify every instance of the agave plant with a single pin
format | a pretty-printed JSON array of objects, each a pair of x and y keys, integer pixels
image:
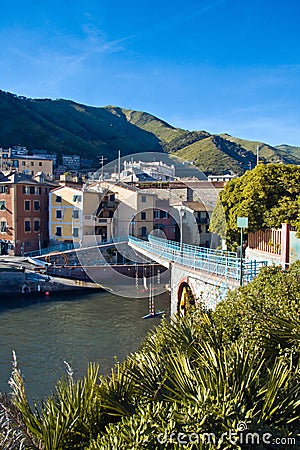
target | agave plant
[{"x": 67, "y": 419}]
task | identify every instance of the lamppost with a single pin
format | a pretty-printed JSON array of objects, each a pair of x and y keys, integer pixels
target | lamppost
[
  {"x": 242, "y": 222},
  {"x": 181, "y": 214},
  {"x": 181, "y": 211}
]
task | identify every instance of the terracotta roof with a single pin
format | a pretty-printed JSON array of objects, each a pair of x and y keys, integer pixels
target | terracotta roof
[{"x": 197, "y": 206}]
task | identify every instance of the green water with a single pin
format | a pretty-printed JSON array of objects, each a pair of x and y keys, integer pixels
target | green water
[{"x": 45, "y": 332}]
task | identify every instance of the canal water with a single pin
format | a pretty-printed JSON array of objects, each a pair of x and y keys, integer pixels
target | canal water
[{"x": 77, "y": 328}]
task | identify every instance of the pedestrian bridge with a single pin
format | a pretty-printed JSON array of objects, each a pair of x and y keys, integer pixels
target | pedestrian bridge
[{"x": 198, "y": 274}]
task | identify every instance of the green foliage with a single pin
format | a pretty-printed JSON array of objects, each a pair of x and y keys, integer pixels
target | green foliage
[
  {"x": 262, "y": 307},
  {"x": 201, "y": 375},
  {"x": 67, "y": 420},
  {"x": 268, "y": 195}
]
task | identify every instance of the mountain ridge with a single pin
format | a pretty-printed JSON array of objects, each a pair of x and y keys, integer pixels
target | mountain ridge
[{"x": 67, "y": 127}]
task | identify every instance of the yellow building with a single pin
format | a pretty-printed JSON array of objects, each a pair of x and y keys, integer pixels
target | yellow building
[
  {"x": 65, "y": 214},
  {"x": 99, "y": 212}
]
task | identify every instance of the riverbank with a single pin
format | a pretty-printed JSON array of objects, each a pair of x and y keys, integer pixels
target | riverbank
[{"x": 17, "y": 279}]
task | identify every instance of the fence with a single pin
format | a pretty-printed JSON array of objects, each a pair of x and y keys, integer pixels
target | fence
[
  {"x": 268, "y": 241},
  {"x": 221, "y": 263}
]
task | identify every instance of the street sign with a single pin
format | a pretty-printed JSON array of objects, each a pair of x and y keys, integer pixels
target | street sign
[{"x": 242, "y": 222}]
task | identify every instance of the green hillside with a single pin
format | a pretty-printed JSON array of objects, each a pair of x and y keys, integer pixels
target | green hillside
[
  {"x": 289, "y": 151},
  {"x": 214, "y": 155},
  {"x": 66, "y": 127},
  {"x": 63, "y": 126},
  {"x": 283, "y": 153},
  {"x": 147, "y": 122}
]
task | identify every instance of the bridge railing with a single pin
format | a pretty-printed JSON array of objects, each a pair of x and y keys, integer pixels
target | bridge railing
[
  {"x": 222, "y": 264},
  {"x": 69, "y": 246},
  {"x": 193, "y": 248}
]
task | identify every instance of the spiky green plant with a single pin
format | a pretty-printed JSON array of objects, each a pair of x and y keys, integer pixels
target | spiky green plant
[{"x": 201, "y": 375}]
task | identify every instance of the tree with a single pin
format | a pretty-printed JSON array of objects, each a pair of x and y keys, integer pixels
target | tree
[{"x": 268, "y": 195}]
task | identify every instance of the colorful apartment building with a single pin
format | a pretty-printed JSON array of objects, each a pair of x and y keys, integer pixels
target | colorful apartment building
[
  {"x": 28, "y": 164},
  {"x": 135, "y": 212},
  {"x": 98, "y": 212},
  {"x": 65, "y": 214},
  {"x": 23, "y": 212}
]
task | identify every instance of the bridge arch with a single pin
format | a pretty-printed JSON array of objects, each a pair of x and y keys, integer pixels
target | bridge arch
[{"x": 186, "y": 298}]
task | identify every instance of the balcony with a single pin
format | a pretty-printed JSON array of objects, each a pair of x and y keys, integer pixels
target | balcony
[{"x": 91, "y": 221}]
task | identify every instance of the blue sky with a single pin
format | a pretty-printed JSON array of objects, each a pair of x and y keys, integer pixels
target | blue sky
[{"x": 219, "y": 65}]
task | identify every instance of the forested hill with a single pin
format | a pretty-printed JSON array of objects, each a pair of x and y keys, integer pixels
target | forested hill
[{"x": 63, "y": 126}]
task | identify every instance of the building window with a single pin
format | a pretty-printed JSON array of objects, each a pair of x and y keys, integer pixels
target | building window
[
  {"x": 75, "y": 214},
  {"x": 2, "y": 205},
  {"x": 40, "y": 163},
  {"x": 36, "y": 205},
  {"x": 58, "y": 214},
  {"x": 160, "y": 214},
  {"x": 37, "y": 190},
  {"x": 3, "y": 227},
  {"x": 3, "y": 189},
  {"x": 27, "y": 205},
  {"x": 36, "y": 225},
  {"x": 32, "y": 163},
  {"x": 23, "y": 163},
  {"x": 144, "y": 199},
  {"x": 25, "y": 189},
  {"x": 58, "y": 231},
  {"x": 76, "y": 198},
  {"x": 143, "y": 215},
  {"x": 32, "y": 189},
  {"x": 58, "y": 199},
  {"x": 75, "y": 232},
  {"x": 27, "y": 225},
  {"x": 144, "y": 231}
]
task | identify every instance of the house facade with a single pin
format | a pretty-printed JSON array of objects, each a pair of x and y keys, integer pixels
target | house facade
[
  {"x": 23, "y": 213},
  {"x": 65, "y": 214},
  {"x": 134, "y": 214},
  {"x": 19, "y": 161}
]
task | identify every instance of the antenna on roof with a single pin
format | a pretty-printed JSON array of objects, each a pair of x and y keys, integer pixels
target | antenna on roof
[{"x": 119, "y": 165}]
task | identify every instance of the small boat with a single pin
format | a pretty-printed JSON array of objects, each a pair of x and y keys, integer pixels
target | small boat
[{"x": 153, "y": 314}]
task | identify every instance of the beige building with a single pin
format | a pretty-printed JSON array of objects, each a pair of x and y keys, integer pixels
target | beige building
[
  {"x": 99, "y": 212},
  {"x": 134, "y": 213},
  {"x": 28, "y": 164}
]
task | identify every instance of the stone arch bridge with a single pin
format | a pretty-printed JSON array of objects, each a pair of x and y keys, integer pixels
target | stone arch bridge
[{"x": 197, "y": 274}]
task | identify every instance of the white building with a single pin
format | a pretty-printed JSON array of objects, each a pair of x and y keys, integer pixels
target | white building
[{"x": 137, "y": 171}]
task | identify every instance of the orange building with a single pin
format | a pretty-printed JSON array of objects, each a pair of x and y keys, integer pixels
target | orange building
[{"x": 24, "y": 213}]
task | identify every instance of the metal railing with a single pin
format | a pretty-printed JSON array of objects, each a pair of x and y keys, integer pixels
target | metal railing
[
  {"x": 220, "y": 263},
  {"x": 62, "y": 247},
  {"x": 67, "y": 246}
]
